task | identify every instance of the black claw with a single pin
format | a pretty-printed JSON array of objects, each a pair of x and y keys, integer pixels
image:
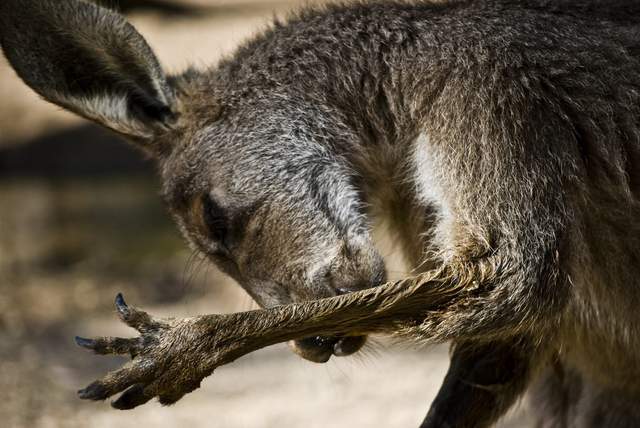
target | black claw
[
  {"x": 121, "y": 305},
  {"x": 132, "y": 397},
  {"x": 95, "y": 391},
  {"x": 85, "y": 343}
]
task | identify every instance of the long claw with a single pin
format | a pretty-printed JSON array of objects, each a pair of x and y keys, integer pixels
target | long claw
[
  {"x": 121, "y": 306},
  {"x": 85, "y": 343},
  {"x": 111, "y": 345},
  {"x": 133, "y": 317}
]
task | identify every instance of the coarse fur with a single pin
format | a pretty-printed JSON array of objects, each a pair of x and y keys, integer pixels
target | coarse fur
[{"x": 501, "y": 138}]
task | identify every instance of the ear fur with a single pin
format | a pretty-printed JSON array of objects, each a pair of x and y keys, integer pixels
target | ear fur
[{"x": 91, "y": 61}]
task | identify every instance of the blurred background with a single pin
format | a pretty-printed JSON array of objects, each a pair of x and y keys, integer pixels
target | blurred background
[{"x": 80, "y": 220}]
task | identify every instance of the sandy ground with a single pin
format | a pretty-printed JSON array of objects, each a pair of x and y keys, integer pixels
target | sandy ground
[{"x": 68, "y": 244}]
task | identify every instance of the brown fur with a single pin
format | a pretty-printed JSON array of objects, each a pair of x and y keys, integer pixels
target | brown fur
[{"x": 500, "y": 138}]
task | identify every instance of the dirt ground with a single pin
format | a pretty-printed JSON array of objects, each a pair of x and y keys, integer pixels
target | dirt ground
[{"x": 80, "y": 220}]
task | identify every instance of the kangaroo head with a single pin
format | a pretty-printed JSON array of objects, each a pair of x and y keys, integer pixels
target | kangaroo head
[{"x": 250, "y": 177}]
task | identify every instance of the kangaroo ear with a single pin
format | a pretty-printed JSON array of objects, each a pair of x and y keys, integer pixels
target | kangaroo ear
[{"x": 91, "y": 61}]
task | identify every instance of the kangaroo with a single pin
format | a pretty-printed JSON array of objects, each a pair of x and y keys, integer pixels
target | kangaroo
[{"x": 500, "y": 138}]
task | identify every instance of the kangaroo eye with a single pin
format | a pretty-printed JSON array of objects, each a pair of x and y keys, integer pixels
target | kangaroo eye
[{"x": 215, "y": 218}]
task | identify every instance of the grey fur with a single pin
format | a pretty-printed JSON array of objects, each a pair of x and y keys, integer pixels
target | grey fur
[{"x": 502, "y": 138}]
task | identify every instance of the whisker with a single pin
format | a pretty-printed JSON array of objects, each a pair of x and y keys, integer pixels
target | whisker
[
  {"x": 186, "y": 272},
  {"x": 191, "y": 270}
]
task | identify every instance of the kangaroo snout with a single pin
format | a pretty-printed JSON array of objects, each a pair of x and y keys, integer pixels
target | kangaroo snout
[{"x": 355, "y": 268}]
